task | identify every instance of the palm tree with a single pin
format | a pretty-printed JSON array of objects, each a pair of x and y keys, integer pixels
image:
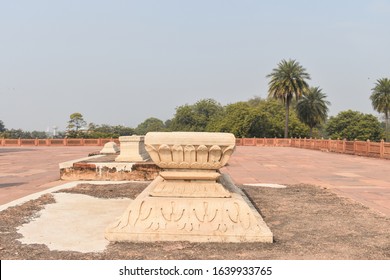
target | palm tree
[
  {"x": 312, "y": 108},
  {"x": 380, "y": 99},
  {"x": 287, "y": 80}
]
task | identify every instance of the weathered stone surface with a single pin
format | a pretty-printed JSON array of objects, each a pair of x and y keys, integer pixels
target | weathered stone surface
[
  {"x": 110, "y": 148},
  {"x": 200, "y": 219},
  {"x": 110, "y": 171},
  {"x": 190, "y": 200},
  {"x": 132, "y": 149}
]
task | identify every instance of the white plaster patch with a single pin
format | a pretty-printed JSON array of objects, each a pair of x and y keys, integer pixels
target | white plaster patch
[
  {"x": 275, "y": 186},
  {"x": 75, "y": 222}
]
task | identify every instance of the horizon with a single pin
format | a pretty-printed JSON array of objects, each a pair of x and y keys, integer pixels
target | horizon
[{"x": 50, "y": 130}]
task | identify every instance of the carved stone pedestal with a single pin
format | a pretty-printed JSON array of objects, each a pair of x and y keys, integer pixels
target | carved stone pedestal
[{"x": 190, "y": 200}]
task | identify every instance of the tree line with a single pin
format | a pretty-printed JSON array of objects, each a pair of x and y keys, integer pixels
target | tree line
[
  {"x": 265, "y": 118},
  {"x": 255, "y": 117},
  {"x": 293, "y": 108}
]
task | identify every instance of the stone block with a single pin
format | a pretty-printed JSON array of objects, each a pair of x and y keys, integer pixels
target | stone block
[{"x": 132, "y": 149}]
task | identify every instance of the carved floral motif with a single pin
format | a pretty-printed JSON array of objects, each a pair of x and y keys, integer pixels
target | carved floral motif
[
  {"x": 190, "y": 156},
  {"x": 229, "y": 217}
]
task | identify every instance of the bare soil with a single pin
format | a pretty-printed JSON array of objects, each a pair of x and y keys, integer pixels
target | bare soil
[{"x": 308, "y": 222}]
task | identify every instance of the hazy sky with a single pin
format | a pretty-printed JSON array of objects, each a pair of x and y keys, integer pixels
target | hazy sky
[{"x": 120, "y": 62}]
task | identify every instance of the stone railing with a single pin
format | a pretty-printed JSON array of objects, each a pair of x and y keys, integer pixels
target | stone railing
[
  {"x": 57, "y": 142},
  {"x": 361, "y": 148}
]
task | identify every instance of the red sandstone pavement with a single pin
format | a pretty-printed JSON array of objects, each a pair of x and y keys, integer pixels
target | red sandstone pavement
[
  {"x": 27, "y": 170},
  {"x": 366, "y": 180}
]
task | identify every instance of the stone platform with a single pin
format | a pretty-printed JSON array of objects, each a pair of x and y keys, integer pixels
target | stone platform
[
  {"x": 105, "y": 168},
  {"x": 152, "y": 218}
]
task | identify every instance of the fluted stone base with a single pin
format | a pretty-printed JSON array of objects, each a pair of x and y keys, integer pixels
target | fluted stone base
[{"x": 229, "y": 217}]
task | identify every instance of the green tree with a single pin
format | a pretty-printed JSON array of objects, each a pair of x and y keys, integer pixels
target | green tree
[
  {"x": 2, "y": 126},
  {"x": 99, "y": 131},
  {"x": 288, "y": 80},
  {"x": 76, "y": 121},
  {"x": 13, "y": 133},
  {"x": 39, "y": 134},
  {"x": 238, "y": 118},
  {"x": 380, "y": 99},
  {"x": 150, "y": 124},
  {"x": 353, "y": 125},
  {"x": 312, "y": 108},
  {"x": 183, "y": 119},
  {"x": 272, "y": 121},
  {"x": 121, "y": 130},
  {"x": 107, "y": 131},
  {"x": 255, "y": 101},
  {"x": 257, "y": 118},
  {"x": 195, "y": 117},
  {"x": 19, "y": 133}
]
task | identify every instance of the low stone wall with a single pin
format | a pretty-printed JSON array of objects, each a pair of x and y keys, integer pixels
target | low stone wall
[
  {"x": 57, "y": 142},
  {"x": 361, "y": 148}
]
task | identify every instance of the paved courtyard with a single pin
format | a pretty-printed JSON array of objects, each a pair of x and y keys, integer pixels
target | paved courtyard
[
  {"x": 366, "y": 180},
  {"x": 27, "y": 170}
]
